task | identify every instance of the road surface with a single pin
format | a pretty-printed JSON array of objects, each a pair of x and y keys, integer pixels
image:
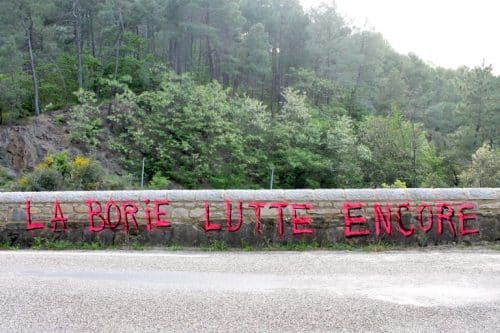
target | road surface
[{"x": 424, "y": 290}]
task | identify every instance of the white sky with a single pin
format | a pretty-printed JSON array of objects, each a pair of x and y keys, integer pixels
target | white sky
[{"x": 447, "y": 33}]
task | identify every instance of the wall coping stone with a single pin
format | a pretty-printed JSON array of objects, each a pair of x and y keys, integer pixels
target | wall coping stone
[{"x": 412, "y": 194}]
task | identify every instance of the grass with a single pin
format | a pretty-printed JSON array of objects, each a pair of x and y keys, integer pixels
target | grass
[
  {"x": 215, "y": 245},
  {"x": 92, "y": 246},
  {"x": 41, "y": 243},
  {"x": 137, "y": 246},
  {"x": 495, "y": 247},
  {"x": 5, "y": 246},
  {"x": 174, "y": 248},
  {"x": 247, "y": 247}
]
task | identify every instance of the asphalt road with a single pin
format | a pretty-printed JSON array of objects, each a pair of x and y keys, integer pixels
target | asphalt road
[{"x": 418, "y": 291}]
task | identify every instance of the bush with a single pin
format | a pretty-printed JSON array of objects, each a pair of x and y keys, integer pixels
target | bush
[
  {"x": 60, "y": 172},
  {"x": 44, "y": 180},
  {"x": 397, "y": 184},
  {"x": 159, "y": 182},
  {"x": 115, "y": 182},
  {"x": 5, "y": 179},
  {"x": 85, "y": 174}
]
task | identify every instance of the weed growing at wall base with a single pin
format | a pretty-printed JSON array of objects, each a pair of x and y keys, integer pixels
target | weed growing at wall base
[
  {"x": 216, "y": 245},
  {"x": 40, "y": 243}
]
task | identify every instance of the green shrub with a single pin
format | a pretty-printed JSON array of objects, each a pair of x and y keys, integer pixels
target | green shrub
[
  {"x": 159, "y": 182},
  {"x": 85, "y": 174},
  {"x": 115, "y": 182},
  {"x": 5, "y": 179},
  {"x": 44, "y": 180},
  {"x": 60, "y": 172}
]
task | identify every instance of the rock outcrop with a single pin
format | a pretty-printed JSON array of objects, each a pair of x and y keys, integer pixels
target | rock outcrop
[{"x": 24, "y": 145}]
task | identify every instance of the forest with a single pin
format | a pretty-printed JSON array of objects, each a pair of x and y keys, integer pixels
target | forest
[{"x": 232, "y": 93}]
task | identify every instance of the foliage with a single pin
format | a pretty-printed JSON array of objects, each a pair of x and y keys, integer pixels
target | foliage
[
  {"x": 44, "y": 180},
  {"x": 40, "y": 243},
  {"x": 216, "y": 245},
  {"x": 219, "y": 93},
  {"x": 85, "y": 123},
  {"x": 183, "y": 130},
  {"x": 346, "y": 153},
  {"x": 85, "y": 174},
  {"x": 484, "y": 171},
  {"x": 60, "y": 172},
  {"x": 5, "y": 178},
  {"x": 397, "y": 184},
  {"x": 400, "y": 151},
  {"x": 158, "y": 182}
]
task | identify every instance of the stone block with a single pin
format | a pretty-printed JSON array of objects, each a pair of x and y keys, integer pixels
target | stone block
[
  {"x": 329, "y": 195},
  {"x": 18, "y": 215},
  {"x": 422, "y": 194},
  {"x": 451, "y": 194},
  {"x": 482, "y": 193},
  {"x": 151, "y": 195},
  {"x": 181, "y": 195},
  {"x": 178, "y": 213},
  {"x": 269, "y": 195},
  {"x": 197, "y": 213},
  {"x": 240, "y": 195},
  {"x": 396, "y": 194},
  {"x": 209, "y": 195},
  {"x": 361, "y": 195},
  {"x": 299, "y": 196}
]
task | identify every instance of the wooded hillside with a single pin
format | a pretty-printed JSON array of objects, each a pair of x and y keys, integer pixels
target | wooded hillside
[{"x": 222, "y": 93}]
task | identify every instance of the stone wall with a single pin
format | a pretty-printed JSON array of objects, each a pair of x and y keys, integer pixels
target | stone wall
[{"x": 254, "y": 217}]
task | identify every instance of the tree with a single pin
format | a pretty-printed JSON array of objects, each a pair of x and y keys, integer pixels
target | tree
[
  {"x": 346, "y": 153},
  {"x": 399, "y": 150},
  {"x": 484, "y": 170},
  {"x": 476, "y": 117},
  {"x": 254, "y": 59},
  {"x": 480, "y": 105},
  {"x": 184, "y": 130},
  {"x": 86, "y": 123},
  {"x": 286, "y": 23},
  {"x": 24, "y": 14},
  {"x": 27, "y": 23},
  {"x": 294, "y": 142}
]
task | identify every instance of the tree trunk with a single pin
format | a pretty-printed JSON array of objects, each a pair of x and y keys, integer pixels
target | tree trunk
[
  {"x": 28, "y": 29},
  {"x": 77, "y": 13},
  {"x": 354, "y": 91},
  {"x": 117, "y": 57},
  {"x": 95, "y": 81},
  {"x": 91, "y": 27},
  {"x": 118, "y": 44},
  {"x": 210, "y": 60},
  {"x": 275, "y": 83},
  {"x": 414, "y": 147}
]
